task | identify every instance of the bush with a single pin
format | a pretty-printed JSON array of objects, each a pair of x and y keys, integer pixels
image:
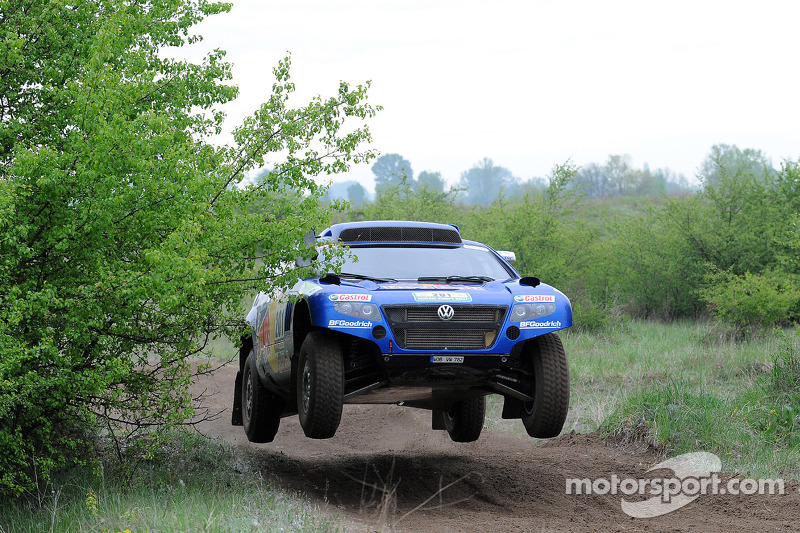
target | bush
[
  {"x": 590, "y": 317},
  {"x": 750, "y": 301},
  {"x": 403, "y": 201}
]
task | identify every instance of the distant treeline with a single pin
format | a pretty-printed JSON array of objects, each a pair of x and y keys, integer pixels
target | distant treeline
[
  {"x": 623, "y": 242},
  {"x": 486, "y": 182}
]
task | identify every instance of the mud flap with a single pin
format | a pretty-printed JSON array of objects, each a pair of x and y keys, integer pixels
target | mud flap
[
  {"x": 236, "y": 413},
  {"x": 437, "y": 421},
  {"x": 512, "y": 408}
]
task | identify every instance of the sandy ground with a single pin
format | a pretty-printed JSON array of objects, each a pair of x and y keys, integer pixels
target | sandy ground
[{"x": 386, "y": 470}]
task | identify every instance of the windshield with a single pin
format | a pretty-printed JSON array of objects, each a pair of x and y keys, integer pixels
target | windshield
[{"x": 411, "y": 263}]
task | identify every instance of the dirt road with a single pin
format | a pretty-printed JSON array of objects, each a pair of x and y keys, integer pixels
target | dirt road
[{"x": 386, "y": 470}]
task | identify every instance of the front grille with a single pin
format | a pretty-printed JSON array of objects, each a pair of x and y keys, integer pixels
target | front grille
[{"x": 418, "y": 327}]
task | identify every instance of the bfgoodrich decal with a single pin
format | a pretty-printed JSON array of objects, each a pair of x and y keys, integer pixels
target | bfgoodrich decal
[
  {"x": 533, "y": 324},
  {"x": 362, "y": 324}
]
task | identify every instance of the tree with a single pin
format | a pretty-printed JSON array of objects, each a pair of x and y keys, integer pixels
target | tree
[
  {"x": 535, "y": 184},
  {"x": 673, "y": 183},
  {"x": 126, "y": 242},
  {"x": 430, "y": 180},
  {"x": 390, "y": 169},
  {"x": 728, "y": 160},
  {"x": 593, "y": 180},
  {"x": 484, "y": 182},
  {"x": 617, "y": 177},
  {"x": 356, "y": 193},
  {"x": 339, "y": 190},
  {"x": 404, "y": 202},
  {"x": 620, "y": 174}
]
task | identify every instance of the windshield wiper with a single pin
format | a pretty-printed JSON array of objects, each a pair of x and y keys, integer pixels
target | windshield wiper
[
  {"x": 364, "y": 276},
  {"x": 451, "y": 279}
]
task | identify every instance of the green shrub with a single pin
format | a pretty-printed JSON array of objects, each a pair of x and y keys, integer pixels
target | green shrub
[
  {"x": 403, "y": 201},
  {"x": 589, "y": 316},
  {"x": 750, "y": 301}
]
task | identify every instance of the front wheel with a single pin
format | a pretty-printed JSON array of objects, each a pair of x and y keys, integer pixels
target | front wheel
[
  {"x": 320, "y": 385},
  {"x": 544, "y": 417},
  {"x": 261, "y": 411},
  {"x": 464, "y": 420}
]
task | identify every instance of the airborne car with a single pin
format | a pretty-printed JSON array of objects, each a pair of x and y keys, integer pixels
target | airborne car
[{"x": 422, "y": 318}]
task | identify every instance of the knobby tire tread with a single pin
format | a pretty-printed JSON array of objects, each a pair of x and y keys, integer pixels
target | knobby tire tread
[
  {"x": 551, "y": 401},
  {"x": 467, "y": 422},
  {"x": 325, "y": 408},
  {"x": 265, "y": 418}
]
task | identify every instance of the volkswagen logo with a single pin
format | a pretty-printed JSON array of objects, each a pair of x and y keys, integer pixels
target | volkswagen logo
[{"x": 445, "y": 312}]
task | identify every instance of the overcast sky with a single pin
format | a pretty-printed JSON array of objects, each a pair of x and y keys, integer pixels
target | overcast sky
[{"x": 531, "y": 84}]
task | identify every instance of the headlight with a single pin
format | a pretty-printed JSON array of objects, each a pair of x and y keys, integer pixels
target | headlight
[
  {"x": 358, "y": 310},
  {"x": 522, "y": 312}
]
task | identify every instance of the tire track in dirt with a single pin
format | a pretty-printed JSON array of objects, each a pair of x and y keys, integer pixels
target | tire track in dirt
[{"x": 385, "y": 462}]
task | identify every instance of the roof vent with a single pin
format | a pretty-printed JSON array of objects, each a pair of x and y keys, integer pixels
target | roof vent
[{"x": 400, "y": 234}]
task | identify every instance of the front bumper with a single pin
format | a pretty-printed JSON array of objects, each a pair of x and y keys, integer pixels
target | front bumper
[{"x": 424, "y": 368}]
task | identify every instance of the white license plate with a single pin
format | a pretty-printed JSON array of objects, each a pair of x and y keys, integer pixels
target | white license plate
[{"x": 447, "y": 359}]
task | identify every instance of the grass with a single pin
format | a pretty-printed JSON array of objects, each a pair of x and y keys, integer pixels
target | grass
[
  {"x": 681, "y": 388},
  {"x": 194, "y": 484},
  {"x": 606, "y": 370}
]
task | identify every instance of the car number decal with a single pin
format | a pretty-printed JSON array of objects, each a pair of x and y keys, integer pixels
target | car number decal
[{"x": 441, "y": 297}]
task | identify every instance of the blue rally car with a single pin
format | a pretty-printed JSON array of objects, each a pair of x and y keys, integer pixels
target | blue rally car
[{"x": 422, "y": 318}]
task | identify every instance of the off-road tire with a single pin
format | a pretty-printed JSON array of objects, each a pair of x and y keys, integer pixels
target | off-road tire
[
  {"x": 464, "y": 420},
  {"x": 320, "y": 385},
  {"x": 544, "y": 417},
  {"x": 261, "y": 411}
]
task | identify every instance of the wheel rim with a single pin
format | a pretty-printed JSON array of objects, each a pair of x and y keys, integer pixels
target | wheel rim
[
  {"x": 450, "y": 418},
  {"x": 306, "y": 386},
  {"x": 248, "y": 398},
  {"x": 528, "y": 407}
]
